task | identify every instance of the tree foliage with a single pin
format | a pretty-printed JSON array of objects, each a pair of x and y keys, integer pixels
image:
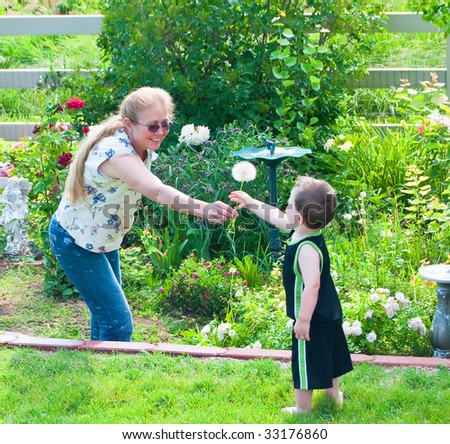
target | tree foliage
[{"x": 217, "y": 58}]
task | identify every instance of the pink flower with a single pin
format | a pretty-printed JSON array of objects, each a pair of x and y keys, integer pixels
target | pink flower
[
  {"x": 161, "y": 289},
  {"x": 421, "y": 129},
  {"x": 75, "y": 103},
  {"x": 5, "y": 170},
  {"x": 65, "y": 159},
  {"x": 194, "y": 276}
]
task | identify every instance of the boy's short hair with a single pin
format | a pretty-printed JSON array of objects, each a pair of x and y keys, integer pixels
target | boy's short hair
[{"x": 316, "y": 201}]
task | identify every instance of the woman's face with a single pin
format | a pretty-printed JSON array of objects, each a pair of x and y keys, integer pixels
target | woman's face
[{"x": 150, "y": 130}]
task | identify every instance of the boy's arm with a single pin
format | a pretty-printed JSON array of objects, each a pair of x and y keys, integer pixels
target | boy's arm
[
  {"x": 309, "y": 264},
  {"x": 269, "y": 213}
]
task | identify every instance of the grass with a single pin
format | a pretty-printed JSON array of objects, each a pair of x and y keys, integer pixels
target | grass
[
  {"x": 23, "y": 308},
  {"x": 83, "y": 387},
  {"x": 72, "y": 387}
]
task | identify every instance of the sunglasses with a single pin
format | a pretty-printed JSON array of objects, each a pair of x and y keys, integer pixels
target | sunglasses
[{"x": 153, "y": 127}]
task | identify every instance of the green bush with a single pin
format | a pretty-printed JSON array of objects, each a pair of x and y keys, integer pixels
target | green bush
[
  {"x": 44, "y": 160},
  {"x": 226, "y": 61},
  {"x": 202, "y": 289}
]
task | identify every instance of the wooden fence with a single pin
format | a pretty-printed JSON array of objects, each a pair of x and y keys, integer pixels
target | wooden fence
[{"x": 91, "y": 24}]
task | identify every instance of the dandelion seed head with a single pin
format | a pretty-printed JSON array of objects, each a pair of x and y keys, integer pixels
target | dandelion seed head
[{"x": 243, "y": 171}]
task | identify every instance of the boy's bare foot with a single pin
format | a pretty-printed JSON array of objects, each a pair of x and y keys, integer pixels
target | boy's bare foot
[
  {"x": 339, "y": 399},
  {"x": 294, "y": 410}
]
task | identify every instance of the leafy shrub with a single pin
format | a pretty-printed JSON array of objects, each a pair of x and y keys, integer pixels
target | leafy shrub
[
  {"x": 202, "y": 289},
  {"x": 255, "y": 317},
  {"x": 44, "y": 161},
  {"x": 217, "y": 58},
  {"x": 382, "y": 323}
]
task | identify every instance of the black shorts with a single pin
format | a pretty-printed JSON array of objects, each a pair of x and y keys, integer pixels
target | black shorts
[{"x": 326, "y": 356}]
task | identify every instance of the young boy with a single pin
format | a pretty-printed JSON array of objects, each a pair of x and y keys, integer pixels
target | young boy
[{"x": 319, "y": 349}]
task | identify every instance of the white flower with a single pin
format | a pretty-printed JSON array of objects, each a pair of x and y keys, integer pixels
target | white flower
[
  {"x": 371, "y": 337},
  {"x": 346, "y": 146},
  {"x": 356, "y": 328},
  {"x": 231, "y": 333},
  {"x": 374, "y": 297},
  {"x": 362, "y": 194},
  {"x": 239, "y": 293},
  {"x": 281, "y": 305},
  {"x": 391, "y": 307},
  {"x": 232, "y": 270},
  {"x": 383, "y": 290},
  {"x": 402, "y": 299},
  {"x": 223, "y": 328},
  {"x": 194, "y": 135},
  {"x": 289, "y": 324},
  {"x": 368, "y": 315},
  {"x": 243, "y": 171},
  {"x": 341, "y": 137},
  {"x": 257, "y": 345},
  {"x": 329, "y": 143},
  {"x": 205, "y": 330},
  {"x": 348, "y": 216},
  {"x": 347, "y": 329},
  {"x": 416, "y": 324}
]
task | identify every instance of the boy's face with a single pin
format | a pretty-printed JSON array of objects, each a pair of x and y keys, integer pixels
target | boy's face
[{"x": 291, "y": 213}]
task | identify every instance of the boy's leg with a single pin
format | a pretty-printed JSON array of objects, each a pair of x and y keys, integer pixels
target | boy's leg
[
  {"x": 334, "y": 392},
  {"x": 303, "y": 402}
]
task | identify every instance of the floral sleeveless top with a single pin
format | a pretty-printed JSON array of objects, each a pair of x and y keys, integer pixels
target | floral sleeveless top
[{"x": 99, "y": 222}]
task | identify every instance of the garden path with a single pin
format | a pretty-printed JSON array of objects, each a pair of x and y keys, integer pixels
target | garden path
[{"x": 14, "y": 339}]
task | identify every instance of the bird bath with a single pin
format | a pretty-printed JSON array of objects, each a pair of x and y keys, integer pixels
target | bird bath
[{"x": 440, "y": 327}]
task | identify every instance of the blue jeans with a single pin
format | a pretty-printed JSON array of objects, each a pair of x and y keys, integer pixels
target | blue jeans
[{"x": 98, "y": 279}]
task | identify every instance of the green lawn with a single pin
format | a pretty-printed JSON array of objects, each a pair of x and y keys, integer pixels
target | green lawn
[{"x": 74, "y": 387}]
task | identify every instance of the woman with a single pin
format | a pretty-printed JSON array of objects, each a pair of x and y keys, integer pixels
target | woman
[{"x": 109, "y": 175}]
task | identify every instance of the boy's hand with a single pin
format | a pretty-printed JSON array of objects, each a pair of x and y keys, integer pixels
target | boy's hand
[
  {"x": 241, "y": 197},
  {"x": 301, "y": 330}
]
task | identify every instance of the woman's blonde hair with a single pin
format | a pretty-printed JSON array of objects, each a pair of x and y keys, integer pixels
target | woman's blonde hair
[{"x": 133, "y": 104}]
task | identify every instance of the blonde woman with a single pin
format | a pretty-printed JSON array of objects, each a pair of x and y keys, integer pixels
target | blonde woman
[{"x": 106, "y": 181}]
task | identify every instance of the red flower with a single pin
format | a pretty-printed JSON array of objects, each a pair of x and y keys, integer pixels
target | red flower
[
  {"x": 85, "y": 129},
  {"x": 75, "y": 103},
  {"x": 59, "y": 109},
  {"x": 65, "y": 159},
  {"x": 36, "y": 129}
]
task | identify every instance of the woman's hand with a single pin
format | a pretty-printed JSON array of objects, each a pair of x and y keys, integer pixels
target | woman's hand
[{"x": 219, "y": 212}]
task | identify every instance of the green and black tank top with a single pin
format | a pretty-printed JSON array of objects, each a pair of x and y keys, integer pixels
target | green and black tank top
[{"x": 328, "y": 306}]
